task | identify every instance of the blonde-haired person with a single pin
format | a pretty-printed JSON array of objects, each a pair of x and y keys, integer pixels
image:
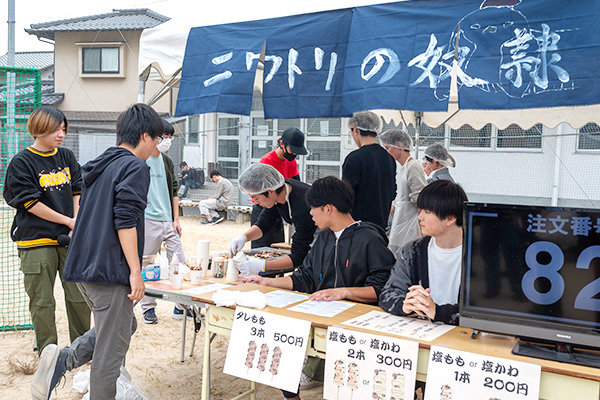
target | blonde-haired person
[
  {"x": 436, "y": 162},
  {"x": 43, "y": 183}
]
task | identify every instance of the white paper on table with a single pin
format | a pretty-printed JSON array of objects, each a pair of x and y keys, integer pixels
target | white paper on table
[
  {"x": 461, "y": 375},
  {"x": 205, "y": 289},
  {"x": 322, "y": 308},
  {"x": 280, "y": 298},
  {"x": 267, "y": 348},
  {"x": 361, "y": 365},
  {"x": 413, "y": 328}
]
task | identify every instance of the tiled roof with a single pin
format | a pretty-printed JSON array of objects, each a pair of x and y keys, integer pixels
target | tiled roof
[
  {"x": 31, "y": 59},
  {"x": 24, "y": 93},
  {"x": 135, "y": 19}
]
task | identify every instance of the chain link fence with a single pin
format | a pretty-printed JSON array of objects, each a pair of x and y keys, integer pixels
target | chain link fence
[{"x": 20, "y": 94}]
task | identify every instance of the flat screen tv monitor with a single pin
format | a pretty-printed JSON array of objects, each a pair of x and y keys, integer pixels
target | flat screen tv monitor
[{"x": 534, "y": 272}]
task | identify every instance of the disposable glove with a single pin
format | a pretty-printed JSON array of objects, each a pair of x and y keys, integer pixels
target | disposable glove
[
  {"x": 252, "y": 266},
  {"x": 237, "y": 245}
]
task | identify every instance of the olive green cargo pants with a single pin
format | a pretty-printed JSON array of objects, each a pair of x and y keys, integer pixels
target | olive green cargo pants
[{"x": 39, "y": 266}]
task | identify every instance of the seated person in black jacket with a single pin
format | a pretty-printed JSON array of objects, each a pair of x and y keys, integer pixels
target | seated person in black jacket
[
  {"x": 363, "y": 261},
  {"x": 426, "y": 277}
]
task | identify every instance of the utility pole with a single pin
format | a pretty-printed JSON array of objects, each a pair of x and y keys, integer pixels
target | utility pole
[{"x": 11, "y": 77}]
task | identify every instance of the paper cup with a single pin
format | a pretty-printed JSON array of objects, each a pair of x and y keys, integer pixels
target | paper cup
[
  {"x": 232, "y": 272},
  {"x": 196, "y": 277},
  {"x": 177, "y": 281}
]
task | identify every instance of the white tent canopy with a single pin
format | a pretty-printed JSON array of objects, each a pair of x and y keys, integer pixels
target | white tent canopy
[{"x": 162, "y": 49}]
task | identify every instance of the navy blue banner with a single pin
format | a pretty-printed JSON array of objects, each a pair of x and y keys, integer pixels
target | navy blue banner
[
  {"x": 509, "y": 54},
  {"x": 400, "y": 56},
  {"x": 518, "y": 54},
  {"x": 312, "y": 50}
]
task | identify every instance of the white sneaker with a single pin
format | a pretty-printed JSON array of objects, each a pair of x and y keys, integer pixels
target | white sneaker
[
  {"x": 308, "y": 383},
  {"x": 42, "y": 379}
]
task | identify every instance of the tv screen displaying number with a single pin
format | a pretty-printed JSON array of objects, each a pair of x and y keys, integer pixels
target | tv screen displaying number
[{"x": 536, "y": 264}]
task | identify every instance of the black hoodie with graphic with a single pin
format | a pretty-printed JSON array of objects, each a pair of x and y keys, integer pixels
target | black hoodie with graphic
[
  {"x": 359, "y": 258},
  {"x": 115, "y": 190}
]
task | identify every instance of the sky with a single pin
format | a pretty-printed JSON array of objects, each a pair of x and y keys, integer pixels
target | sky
[{"x": 29, "y": 12}]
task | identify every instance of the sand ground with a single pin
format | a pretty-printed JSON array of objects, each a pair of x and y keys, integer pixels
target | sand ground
[{"x": 153, "y": 357}]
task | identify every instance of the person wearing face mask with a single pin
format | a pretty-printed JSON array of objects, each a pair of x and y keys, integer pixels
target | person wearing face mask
[
  {"x": 281, "y": 199},
  {"x": 283, "y": 159},
  {"x": 410, "y": 180},
  {"x": 161, "y": 221}
]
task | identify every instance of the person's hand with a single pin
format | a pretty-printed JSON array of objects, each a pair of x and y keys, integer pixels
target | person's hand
[
  {"x": 252, "y": 266},
  {"x": 137, "y": 286},
  {"x": 70, "y": 222},
  {"x": 392, "y": 210},
  {"x": 237, "y": 245},
  {"x": 329, "y": 294},
  {"x": 177, "y": 227},
  {"x": 419, "y": 301},
  {"x": 259, "y": 280},
  {"x": 70, "y": 233}
]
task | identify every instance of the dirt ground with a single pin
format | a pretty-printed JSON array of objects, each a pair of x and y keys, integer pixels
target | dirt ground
[{"x": 153, "y": 357}]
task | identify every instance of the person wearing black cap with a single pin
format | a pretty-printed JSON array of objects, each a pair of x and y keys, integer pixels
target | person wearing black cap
[{"x": 283, "y": 159}]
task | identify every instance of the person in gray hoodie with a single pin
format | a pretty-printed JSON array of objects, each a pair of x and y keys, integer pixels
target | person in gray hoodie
[{"x": 105, "y": 256}]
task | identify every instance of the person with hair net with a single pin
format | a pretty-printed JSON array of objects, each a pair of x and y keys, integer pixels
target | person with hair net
[
  {"x": 282, "y": 199},
  {"x": 410, "y": 180},
  {"x": 436, "y": 162},
  {"x": 370, "y": 171}
]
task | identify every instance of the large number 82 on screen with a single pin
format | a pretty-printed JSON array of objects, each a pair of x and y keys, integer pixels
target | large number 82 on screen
[{"x": 585, "y": 298}]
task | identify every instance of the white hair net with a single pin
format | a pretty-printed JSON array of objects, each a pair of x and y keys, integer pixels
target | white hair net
[
  {"x": 365, "y": 121},
  {"x": 391, "y": 137},
  {"x": 258, "y": 178},
  {"x": 440, "y": 154}
]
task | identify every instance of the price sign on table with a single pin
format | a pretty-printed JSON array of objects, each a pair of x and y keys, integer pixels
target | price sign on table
[
  {"x": 454, "y": 374},
  {"x": 361, "y": 365},
  {"x": 267, "y": 348}
]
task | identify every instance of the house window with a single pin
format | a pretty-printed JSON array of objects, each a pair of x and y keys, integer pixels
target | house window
[{"x": 100, "y": 60}]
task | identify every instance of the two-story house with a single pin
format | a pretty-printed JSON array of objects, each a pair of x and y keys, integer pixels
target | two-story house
[{"x": 95, "y": 73}]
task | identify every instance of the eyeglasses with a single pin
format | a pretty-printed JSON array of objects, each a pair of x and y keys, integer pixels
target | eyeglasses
[{"x": 428, "y": 159}]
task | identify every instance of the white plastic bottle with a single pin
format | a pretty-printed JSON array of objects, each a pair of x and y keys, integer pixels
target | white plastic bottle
[
  {"x": 163, "y": 261},
  {"x": 174, "y": 265}
]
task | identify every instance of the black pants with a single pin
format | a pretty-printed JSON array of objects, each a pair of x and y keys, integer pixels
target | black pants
[{"x": 275, "y": 235}]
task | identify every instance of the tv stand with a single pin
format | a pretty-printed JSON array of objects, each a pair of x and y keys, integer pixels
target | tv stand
[{"x": 560, "y": 352}]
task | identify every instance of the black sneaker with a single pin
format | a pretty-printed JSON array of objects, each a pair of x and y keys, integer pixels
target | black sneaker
[
  {"x": 150, "y": 316},
  {"x": 208, "y": 221},
  {"x": 51, "y": 369},
  {"x": 215, "y": 221}
]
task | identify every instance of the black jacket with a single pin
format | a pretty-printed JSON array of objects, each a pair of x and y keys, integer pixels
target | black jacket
[
  {"x": 411, "y": 268},
  {"x": 115, "y": 189},
  {"x": 301, "y": 219},
  {"x": 359, "y": 258},
  {"x": 371, "y": 172},
  {"x": 50, "y": 178}
]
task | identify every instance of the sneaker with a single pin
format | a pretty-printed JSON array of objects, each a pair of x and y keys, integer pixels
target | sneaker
[
  {"x": 206, "y": 222},
  {"x": 178, "y": 314},
  {"x": 50, "y": 370},
  {"x": 308, "y": 383},
  {"x": 215, "y": 221},
  {"x": 150, "y": 316}
]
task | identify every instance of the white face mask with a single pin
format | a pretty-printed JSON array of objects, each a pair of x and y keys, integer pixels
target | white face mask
[{"x": 164, "y": 145}]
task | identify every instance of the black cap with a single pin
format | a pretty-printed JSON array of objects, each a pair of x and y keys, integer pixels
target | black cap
[{"x": 294, "y": 138}]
